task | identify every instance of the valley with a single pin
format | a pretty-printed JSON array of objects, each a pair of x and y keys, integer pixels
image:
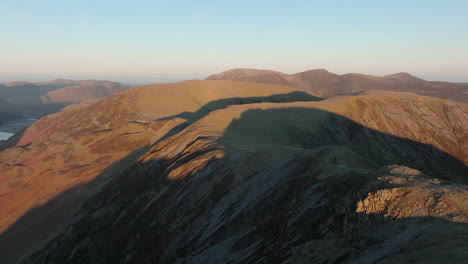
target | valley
[
  {"x": 22, "y": 103},
  {"x": 9, "y": 128}
]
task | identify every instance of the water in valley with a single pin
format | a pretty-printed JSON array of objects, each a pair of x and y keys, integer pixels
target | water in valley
[{"x": 8, "y": 129}]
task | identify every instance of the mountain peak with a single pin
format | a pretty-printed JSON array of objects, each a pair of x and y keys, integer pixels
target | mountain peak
[
  {"x": 404, "y": 76},
  {"x": 317, "y": 71},
  {"x": 323, "y": 83},
  {"x": 241, "y": 74}
]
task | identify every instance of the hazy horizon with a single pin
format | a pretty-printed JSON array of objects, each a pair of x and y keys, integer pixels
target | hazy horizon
[
  {"x": 129, "y": 80},
  {"x": 157, "y": 40}
]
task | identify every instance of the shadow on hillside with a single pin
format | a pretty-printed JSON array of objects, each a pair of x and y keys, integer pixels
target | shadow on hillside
[
  {"x": 297, "y": 96},
  {"x": 310, "y": 128},
  {"x": 352, "y": 94},
  {"x": 192, "y": 117},
  {"x": 11, "y": 142},
  {"x": 112, "y": 229},
  {"x": 5, "y": 117},
  {"x": 40, "y": 223}
]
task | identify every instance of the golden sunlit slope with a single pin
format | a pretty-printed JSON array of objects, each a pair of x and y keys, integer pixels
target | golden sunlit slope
[
  {"x": 192, "y": 96},
  {"x": 431, "y": 121},
  {"x": 129, "y": 147},
  {"x": 80, "y": 91}
]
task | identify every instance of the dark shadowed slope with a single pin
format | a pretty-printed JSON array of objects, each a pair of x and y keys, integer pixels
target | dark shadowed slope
[
  {"x": 50, "y": 96},
  {"x": 276, "y": 183},
  {"x": 64, "y": 151},
  {"x": 7, "y": 112},
  {"x": 220, "y": 177},
  {"x": 326, "y": 84}
]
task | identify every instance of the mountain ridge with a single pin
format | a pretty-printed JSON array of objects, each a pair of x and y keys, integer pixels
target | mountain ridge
[
  {"x": 40, "y": 98},
  {"x": 209, "y": 163},
  {"x": 323, "y": 83}
]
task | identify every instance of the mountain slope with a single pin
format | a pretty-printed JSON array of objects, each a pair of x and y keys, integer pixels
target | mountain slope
[
  {"x": 325, "y": 84},
  {"x": 80, "y": 91},
  {"x": 6, "y": 112},
  {"x": 239, "y": 172},
  {"x": 62, "y": 152},
  {"x": 50, "y": 96}
]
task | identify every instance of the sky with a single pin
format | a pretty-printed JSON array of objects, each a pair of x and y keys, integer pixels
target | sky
[{"x": 166, "y": 40}]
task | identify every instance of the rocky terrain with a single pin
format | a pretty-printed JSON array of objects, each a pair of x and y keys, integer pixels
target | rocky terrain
[
  {"x": 326, "y": 84},
  {"x": 238, "y": 172}
]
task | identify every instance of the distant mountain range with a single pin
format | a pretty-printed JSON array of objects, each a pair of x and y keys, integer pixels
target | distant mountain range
[
  {"x": 20, "y": 98},
  {"x": 322, "y": 83}
]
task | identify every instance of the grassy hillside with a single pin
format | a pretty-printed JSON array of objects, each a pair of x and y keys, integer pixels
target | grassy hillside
[{"x": 223, "y": 171}]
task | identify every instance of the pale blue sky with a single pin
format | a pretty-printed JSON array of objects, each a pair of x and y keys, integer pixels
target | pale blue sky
[{"x": 170, "y": 39}]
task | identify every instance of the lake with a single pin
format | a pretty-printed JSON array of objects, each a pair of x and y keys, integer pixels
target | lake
[
  {"x": 5, "y": 135},
  {"x": 10, "y": 128}
]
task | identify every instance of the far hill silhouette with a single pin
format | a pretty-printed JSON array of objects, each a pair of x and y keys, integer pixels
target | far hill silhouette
[{"x": 326, "y": 84}]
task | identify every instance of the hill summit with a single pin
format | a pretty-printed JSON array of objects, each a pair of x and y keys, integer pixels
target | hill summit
[{"x": 326, "y": 84}]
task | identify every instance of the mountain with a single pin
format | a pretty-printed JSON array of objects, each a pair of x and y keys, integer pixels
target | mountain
[
  {"x": 62, "y": 154},
  {"x": 404, "y": 77},
  {"x": 50, "y": 96},
  {"x": 7, "y": 112},
  {"x": 22, "y": 94},
  {"x": 82, "y": 91},
  {"x": 326, "y": 84},
  {"x": 237, "y": 172}
]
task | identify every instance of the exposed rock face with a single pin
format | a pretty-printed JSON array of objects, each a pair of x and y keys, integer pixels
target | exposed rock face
[
  {"x": 238, "y": 172},
  {"x": 326, "y": 84}
]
